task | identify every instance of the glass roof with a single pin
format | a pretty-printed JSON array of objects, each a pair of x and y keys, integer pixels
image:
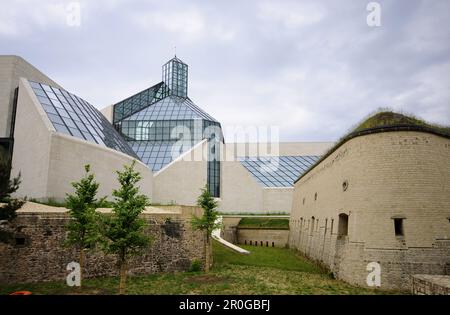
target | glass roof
[
  {"x": 139, "y": 101},
  {"x": 279, "y": 171},
  {"x": 74, "y": 116},
  {"x": 171, "y": 108},
  {"x": 157, "y": 154}
]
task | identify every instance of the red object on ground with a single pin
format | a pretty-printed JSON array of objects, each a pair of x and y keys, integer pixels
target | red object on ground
[{"x": 21, "y": 293}]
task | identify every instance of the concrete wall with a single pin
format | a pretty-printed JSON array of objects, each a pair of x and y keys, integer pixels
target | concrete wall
[
  {"x": 237, "y": 235},
  {"x": 180, "y": 182},
  {"x": 49, "y": 161},
  {"x": 229, "y": 228},
  {"x": 11, "y": 69},
  {"x": 263, "y": 237},
  {"x": 42, "y": 256},
  {"x": 389, "y": 175}
]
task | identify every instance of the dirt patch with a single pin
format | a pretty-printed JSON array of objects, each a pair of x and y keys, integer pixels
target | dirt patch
[
  {"x": 205, "y": 279},
  {"x": 89, "y": 292}
]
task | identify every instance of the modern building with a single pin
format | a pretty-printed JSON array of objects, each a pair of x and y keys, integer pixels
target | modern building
[
  {"x": 380, "y": 197},
  {"x": 179, "y": 148}
]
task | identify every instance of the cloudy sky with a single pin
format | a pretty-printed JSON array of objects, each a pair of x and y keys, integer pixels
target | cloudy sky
[{"x": 312, "y": 68}]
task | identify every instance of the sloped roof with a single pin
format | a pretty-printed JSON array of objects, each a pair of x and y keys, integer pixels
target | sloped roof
[
  {"x": 279, "y": 171},
  {"x": 71, "y": 115},
  {"x": 171, "y": 108},
  {"x": 157, "y": 154}
]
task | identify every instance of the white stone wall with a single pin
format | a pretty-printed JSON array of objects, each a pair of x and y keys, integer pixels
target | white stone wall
[
  {"x": 239, "y": 190},
  {"x": 68, "y": 155},
  {"x": 181, "y": 181},
  {"x": 108, "y": 112},
  {"x": 11, "y": 69},
  {"x": 32, "y": 139}
]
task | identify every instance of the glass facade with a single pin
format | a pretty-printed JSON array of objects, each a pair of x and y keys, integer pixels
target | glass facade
[
  {"x": 139, "y": 101},
  {"x": 279, "y": 171},
  {"x": 161, "y": 123},
  {"x": 71, "y": 115},
  {"x": 157, "y": 154}
]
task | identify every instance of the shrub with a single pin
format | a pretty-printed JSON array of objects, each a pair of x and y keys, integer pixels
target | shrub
[{"x": 196, "y": 266}]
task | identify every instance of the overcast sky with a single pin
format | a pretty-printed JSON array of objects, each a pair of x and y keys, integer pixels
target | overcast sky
[{"x": 313, "y": 68}]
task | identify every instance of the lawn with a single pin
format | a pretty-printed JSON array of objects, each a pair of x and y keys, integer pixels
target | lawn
[
  {"x": 264, "y": 271},
  {"x": 264, "y": 223}
]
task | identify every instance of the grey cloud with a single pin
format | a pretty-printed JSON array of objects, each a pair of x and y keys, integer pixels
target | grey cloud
[{"x": 313, "y": 68}]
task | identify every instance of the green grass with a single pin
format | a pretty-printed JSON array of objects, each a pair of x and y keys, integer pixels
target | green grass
[
  {"x": 264, "y": 223},
  {"x": 264, "y": 271},
  {"x": 273, "y": 257},
  {"x": 384, "y": 118}
]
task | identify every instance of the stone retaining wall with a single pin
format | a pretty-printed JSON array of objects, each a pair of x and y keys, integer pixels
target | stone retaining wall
[
  {"x": 37, "y": 252},
  {"x": 431, "y": 285}
]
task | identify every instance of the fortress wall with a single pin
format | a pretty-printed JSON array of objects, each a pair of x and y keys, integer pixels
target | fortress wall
[{"x": 401, "y": 175}]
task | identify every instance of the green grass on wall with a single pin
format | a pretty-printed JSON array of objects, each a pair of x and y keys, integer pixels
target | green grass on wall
[{"x": 264, "y": 223}]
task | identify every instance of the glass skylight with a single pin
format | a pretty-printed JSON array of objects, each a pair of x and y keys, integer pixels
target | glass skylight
[
  {"x": 74, "y": 116},
  {"x": 279, "y": 171}
]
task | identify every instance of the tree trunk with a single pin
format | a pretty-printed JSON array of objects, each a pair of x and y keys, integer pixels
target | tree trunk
[
  {"x": 207, "y": 256},
  {"x": 81, "y": 265},
  {"x": 123, "y": 275},
  {"x": 211, "y": 257}
]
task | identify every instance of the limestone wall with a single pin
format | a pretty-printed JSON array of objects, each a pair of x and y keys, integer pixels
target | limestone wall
[
  {"x": 12, "y": 68},
  {"x": 431, "y": 285},
  {"x": 108, "y": 112},
  {"x": 239, "y": 190},
  {"x": 37, "y": 253},
  {"x": 277, "y": 199},
  {"x": 375, "y": 179},
  {"x": 68, "y": 155},
  {"x": 181, "y": 181}
]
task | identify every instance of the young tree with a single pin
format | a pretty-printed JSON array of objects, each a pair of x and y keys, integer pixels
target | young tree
[
  {"x": 8, "y": 187},
  {"x": 8, "y": 205},
  {"x": 207, "y": 222},
  {"x": 123, "y": 230},
  {"x": 83, "y": 230}
]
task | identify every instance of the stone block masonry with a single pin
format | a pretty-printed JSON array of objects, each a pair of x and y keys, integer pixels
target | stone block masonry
[
  {"x": 37, "y": 252},
  {"x": 431, "y": 285},
  {"x": 382, "y": 197}
]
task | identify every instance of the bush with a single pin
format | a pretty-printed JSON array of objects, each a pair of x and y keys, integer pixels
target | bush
[{"x": 196, "y": 266}]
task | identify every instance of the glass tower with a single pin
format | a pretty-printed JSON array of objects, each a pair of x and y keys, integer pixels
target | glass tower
[
  {"x": 175, "y": 77},
  {"x": 162, "y": 122}
]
